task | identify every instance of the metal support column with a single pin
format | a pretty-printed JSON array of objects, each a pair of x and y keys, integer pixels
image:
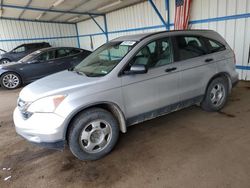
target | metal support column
[
  {"x": 77, "y": 35},
  {"x": 106, "y": 27},
  {"x": 158, "y": 13},
  {"x": 105, "y": 30},
  {"x": 168, "y": 13}
]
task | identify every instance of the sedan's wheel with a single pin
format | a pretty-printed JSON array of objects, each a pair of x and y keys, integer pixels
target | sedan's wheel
[
  {"x": 10, "y": 81},
  {"x": 216, "y": 95},
  {"x": 4, "y": 61},
  {"x": 93, "y": 134}
]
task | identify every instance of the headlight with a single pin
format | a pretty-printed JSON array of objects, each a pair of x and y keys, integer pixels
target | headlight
[{"x": 47, "y": 104}]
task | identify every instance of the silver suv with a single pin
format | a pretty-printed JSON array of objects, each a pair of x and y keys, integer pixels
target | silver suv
[{"x": 129, "y": 80}]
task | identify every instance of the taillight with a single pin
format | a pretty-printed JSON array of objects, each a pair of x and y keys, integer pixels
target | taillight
[
  {"x": 233, "y": 53},
  {"x": 234, "y": 58}
]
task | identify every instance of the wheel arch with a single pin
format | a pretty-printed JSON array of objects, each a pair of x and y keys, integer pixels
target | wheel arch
[
  {"x": 221, "y": 74},
  {"x": 111, "y": 107},
  {"x": 5, "y": 58}
]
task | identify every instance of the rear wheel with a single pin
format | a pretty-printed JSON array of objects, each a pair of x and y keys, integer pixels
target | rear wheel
[
  {"x": 216, "y": 95},
  {"x": 93, "y": 134},
  {"x": 10, "y": 80},
  {"x": 4, "y": 61}
]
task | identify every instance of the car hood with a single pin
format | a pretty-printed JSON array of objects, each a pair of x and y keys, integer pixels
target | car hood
[{"x": 60, "y": 83}]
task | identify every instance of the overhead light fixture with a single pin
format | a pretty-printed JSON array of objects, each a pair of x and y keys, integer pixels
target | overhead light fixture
[
  {"x": 110, "y": 5},
  {"x": 1, "y": 12},
  {"x": 73, "y": 19},
  {"x": 39, "y": 17},
  {"x": 57, "y": 3}
]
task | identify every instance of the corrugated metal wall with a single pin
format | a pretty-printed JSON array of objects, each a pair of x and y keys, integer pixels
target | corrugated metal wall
[
  {"x": 231, "y": 18},
  {"x": 14, "y": 33}
]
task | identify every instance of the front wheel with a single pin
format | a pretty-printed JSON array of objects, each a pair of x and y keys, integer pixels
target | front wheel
[
  {"x": 93, "y": 134},
  {"x": 10, "y": 80},
  {"x": 216, "y": 95}
]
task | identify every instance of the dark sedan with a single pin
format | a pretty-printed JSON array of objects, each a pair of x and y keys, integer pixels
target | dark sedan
[
  {"x": 21, "y": 51},
  {"x": 39, "y": 64}
]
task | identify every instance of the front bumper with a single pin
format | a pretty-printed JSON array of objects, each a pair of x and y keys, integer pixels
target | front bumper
[{"x": 44, "y": 129}]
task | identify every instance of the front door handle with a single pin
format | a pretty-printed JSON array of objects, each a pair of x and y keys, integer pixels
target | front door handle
[
  {"x": 209, "y": 60},
  {"x": 170, "y": 69}
]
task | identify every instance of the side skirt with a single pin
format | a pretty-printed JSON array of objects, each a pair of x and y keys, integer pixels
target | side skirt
[{"x": 163, "y": 111}]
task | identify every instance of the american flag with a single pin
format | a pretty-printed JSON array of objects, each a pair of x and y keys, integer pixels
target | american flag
[{"x": 182, "y": 13}]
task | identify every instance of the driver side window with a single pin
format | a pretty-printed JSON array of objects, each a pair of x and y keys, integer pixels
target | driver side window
[
  {"x": 46, "y": 56},
  {"x": 144, "y": 56},
  {"x": 155, "y": 54},
  {"x": 19, "y": 49}
]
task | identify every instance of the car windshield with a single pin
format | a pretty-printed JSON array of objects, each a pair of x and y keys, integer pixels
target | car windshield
[
  {"x": 104, "y": 59},
  {"x": 30, "y": 57}
]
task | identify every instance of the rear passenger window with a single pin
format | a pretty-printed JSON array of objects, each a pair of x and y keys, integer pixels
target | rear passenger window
[
  {"x": 190, "y": 47},
  {"x": 215, "y": 46}
]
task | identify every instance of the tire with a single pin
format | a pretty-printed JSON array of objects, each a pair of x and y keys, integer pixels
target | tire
[
  {"x": 4, "y": 61},
  {"x": 93, "y": 134},
  {"x": 10, "y": 80},
  {"x": 216, "y": 95}
]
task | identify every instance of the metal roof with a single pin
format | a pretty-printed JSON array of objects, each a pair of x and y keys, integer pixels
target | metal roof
[{"x": 66, "y": 11}]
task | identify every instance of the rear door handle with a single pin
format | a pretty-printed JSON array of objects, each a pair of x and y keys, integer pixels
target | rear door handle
[
  {"x": 209, "y": 60},
  {"x": 170, "y": 69}
]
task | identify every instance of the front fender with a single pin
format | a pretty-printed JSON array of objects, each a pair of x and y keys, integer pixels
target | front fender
[{"x": 110, "y": 106}]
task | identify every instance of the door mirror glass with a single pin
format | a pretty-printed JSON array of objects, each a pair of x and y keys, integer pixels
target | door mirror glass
[{"x": 137, "y": 69}]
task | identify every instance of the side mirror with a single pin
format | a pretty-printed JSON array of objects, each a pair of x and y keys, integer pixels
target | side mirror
[{"x": 137, "y": 69}]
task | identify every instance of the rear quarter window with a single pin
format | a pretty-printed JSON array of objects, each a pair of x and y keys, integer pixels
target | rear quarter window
[{"x": 215, "y": 46}]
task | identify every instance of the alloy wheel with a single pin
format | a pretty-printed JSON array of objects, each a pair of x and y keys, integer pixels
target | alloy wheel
[
  {"x": 95, "y": 136},
  {"x": 217, "y": 94},
  {"x": 10, "y": 81}
]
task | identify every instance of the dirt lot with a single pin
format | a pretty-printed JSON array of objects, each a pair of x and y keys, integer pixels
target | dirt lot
[{"x": 189, "y": 148}]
